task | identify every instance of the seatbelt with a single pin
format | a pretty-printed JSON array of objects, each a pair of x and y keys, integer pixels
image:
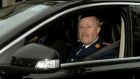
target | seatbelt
[{"x": 101, "y": 51}]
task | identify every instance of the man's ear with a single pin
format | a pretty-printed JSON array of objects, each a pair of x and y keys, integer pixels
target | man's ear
[{"x": 98, "y": 29}]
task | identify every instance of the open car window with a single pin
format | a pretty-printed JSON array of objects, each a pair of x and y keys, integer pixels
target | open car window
[{"x": 62, "y": 34}]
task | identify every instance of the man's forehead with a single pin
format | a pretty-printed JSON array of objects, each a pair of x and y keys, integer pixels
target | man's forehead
[{"x": 89, "y": 19}]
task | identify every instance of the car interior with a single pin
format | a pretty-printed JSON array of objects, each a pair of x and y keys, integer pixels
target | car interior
[{"x": 62, "y": 35}]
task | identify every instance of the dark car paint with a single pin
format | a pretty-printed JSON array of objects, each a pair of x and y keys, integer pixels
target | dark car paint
[{"x": 130, "y": 63}]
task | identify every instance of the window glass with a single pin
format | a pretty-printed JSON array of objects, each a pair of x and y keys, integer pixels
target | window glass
[{"x": 135, "y": 13}]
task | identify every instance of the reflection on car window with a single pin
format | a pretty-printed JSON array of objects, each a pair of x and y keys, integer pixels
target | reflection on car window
[
  {"x": 21, "y": 6},
  {"x": 13, "y": 10}
]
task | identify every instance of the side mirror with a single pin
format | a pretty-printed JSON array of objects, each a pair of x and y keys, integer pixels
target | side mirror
[{"x": 38, "y": 56}]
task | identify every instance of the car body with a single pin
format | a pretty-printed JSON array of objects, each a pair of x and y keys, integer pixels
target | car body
[{"x": 23, "y": 24}]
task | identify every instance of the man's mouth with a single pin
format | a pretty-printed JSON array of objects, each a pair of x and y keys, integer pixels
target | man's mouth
[{"x": 84, "y": 35}]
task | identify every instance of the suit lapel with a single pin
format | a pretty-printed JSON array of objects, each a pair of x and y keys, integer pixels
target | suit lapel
[
  {"x": 87, "y": 51},
  {"x": 91, "y": 49}
]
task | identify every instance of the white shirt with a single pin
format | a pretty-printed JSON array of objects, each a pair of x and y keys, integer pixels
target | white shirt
[{"x": 86, "y": 46}]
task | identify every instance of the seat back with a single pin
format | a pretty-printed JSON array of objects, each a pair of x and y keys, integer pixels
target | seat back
[{"x": 110, "y": 32}]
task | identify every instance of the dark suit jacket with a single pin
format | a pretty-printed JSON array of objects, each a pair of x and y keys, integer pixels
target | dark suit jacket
[{"x": 90, "y": 50}]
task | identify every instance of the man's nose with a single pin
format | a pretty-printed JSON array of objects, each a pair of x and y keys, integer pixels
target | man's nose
[{"x": 84, "y": 30}]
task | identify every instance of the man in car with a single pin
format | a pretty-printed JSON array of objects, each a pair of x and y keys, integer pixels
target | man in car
[{"x": 89, "y": 28}]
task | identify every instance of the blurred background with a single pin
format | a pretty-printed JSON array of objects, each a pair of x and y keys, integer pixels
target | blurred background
[{"x": 6, "y": 3}]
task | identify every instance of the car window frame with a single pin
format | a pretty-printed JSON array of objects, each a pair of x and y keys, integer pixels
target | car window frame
[{"x": 57, "y": 16}]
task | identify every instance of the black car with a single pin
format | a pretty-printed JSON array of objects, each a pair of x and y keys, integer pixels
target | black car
[{"x": 23, "y": 26}]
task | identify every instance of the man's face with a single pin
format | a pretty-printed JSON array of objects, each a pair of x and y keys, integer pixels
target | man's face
[{"x": 88, "y": 30}]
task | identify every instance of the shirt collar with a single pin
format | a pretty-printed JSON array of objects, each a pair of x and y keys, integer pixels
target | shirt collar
[{"x": 86, "y": 46}]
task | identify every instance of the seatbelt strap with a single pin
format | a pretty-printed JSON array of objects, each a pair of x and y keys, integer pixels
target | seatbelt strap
[{"x": 101, "y": 51}]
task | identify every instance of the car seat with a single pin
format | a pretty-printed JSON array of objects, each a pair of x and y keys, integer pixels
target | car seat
[{"x": 110, "y": 32}]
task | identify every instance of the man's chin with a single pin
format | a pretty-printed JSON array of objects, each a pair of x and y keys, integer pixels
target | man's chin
[{"x": 85, "y": 43}]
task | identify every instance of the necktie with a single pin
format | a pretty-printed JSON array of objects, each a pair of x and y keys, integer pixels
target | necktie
[{"x": 82, "y": 49}]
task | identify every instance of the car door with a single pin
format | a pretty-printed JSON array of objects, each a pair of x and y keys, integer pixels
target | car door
[{"x": 125, "y": 62}]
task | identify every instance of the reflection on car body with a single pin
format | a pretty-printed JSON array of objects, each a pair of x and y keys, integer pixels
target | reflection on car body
[{"x": 35, "y": 40}]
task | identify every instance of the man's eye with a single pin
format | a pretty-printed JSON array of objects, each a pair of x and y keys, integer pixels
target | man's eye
[{"x": 81, "y": 27}]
